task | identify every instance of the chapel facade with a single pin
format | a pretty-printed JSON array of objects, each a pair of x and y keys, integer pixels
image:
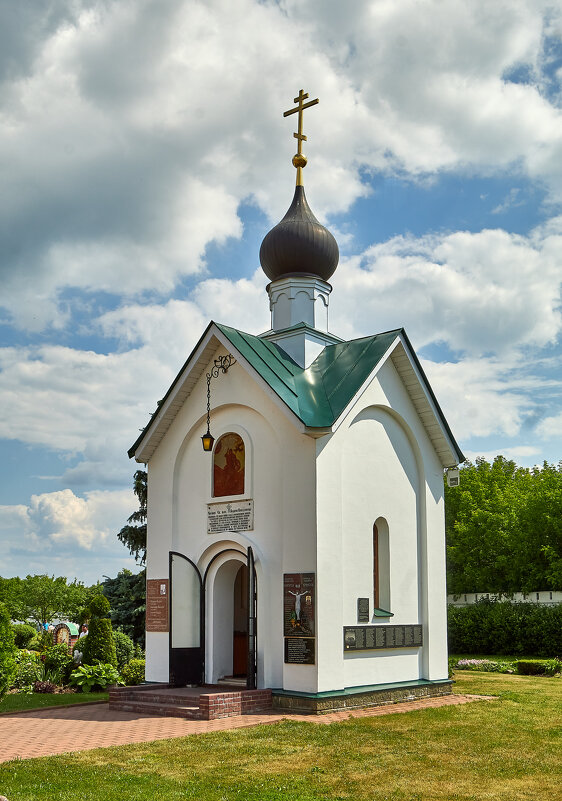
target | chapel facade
[{"x": 304, "y": 549}]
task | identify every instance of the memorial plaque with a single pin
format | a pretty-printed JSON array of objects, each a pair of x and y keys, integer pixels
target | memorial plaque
[
  {"x": 372, "y": 638},
  {"x": 300, "y": 650},
  {"x": 298, "y": 604},
  {"x": 362, "y": 610},
  {"x": 234, "y": 516},
  {"x": 157, "y": 607}
]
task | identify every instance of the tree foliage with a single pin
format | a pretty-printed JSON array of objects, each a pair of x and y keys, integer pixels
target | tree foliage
[
  {"x": 43, "y": 599},
  {"x": 504, "y": 528},
  {"x": 127, "y": 595},
  {"x": 133, "y": 535},
  {"x": 7, "y": 651}
]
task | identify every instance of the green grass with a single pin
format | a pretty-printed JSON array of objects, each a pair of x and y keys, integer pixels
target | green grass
[
  {"x": 502, "y": 750},
  {"x": 18, "y": 702}
]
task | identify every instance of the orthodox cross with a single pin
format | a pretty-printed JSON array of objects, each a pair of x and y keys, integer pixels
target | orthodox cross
[{"x": 299, "y": 161}]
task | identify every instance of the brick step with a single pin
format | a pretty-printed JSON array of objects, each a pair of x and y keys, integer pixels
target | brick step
[
  {"x": 154, "y": 697},
  {"x": 165, "y": 710}
]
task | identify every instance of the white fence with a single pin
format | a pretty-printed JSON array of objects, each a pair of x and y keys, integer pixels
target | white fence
[{"x": 548, "y": 597}]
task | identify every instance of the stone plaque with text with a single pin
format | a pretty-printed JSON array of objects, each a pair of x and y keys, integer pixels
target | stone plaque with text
[
  {"x": 232, "y": 516},
  {"x": 157, "y": 606},
  {"x": 368, "y": 638},
  {"x": 362, "y": 610},
  {"x": 300, "y": 650}
]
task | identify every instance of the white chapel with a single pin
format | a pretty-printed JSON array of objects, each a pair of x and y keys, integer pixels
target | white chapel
[{"x": 296, "y": 537}]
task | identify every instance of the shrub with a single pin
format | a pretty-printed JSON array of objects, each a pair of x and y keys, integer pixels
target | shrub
[
  {"x": 501, "y": 627},
  {"x": 484, "y": 665},
  {"x": 99, "y": 647},
  {"x": 23, "y": 634},
  {"x": 99, "y": 606},
  {"x": 43, "y": 641},
  {"x": 44, "y": 687},
  {"x": 133, "y": 672},
  {"x": 7, "y": 651},
  {"x": 124, "y": 648},
  {"x": 79, "y": 647},
  {"x": 58, "y": 663},
  {"x": 88, "y": 677},
  {"x": 29, "y": 669},
  {"x": 538, "y": 667}
]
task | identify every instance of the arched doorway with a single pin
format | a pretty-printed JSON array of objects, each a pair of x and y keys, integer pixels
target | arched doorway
[
  {"x": 240, "y": 630},
  {"x": 231, "y": 601}
]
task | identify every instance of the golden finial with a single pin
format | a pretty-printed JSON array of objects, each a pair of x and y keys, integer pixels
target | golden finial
[{"x": 299, "y": 161}]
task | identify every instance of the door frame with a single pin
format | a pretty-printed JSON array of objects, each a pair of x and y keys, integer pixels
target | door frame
[{"x": 191, "y": 661}]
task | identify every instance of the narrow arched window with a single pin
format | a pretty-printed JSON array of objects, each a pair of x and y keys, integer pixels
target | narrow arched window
[
  {"x": 229, "y": 466},
  {"x": 376, "y": 577},
  {"x": 381, "y": 566}
]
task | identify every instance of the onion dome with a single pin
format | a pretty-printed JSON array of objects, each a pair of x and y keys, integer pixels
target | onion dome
[{"x": 299, "y": 244}]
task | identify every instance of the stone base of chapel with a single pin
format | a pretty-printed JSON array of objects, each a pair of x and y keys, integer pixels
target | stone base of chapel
[{"x": 359, "y": 697}]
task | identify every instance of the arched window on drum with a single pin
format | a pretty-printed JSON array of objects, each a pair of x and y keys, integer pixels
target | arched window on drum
[{"x": 229, "y": 462}]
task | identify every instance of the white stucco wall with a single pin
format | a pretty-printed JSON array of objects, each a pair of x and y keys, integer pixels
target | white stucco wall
[
  {"x": 380, "y": 463},
  {"x": 280, "y": 478}
]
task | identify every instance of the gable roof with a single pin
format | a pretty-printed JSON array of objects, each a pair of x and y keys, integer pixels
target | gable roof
[{"x": 318, "y": 395}]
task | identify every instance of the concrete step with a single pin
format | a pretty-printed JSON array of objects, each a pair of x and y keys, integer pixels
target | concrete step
[{"x": 165, "y": 710}]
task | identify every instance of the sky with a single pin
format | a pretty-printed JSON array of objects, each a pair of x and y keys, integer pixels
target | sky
[{"x": 144, "y": 156}]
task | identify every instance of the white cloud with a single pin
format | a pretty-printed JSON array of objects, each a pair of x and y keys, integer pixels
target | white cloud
[
  {"x": 481, "y": 396},
  {"x": 551, "y": 427},
  {"x": 132, "y": 130},
  {"x": 525, "y": 455},
  {"x": 62, "y": 533},
  {"x": 488, "y": 292}
]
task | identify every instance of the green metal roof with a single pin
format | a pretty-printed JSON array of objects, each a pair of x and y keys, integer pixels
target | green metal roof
[{"x": 317, "y": 394}]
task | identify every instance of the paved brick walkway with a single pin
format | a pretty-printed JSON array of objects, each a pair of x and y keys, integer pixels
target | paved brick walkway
[{"x": 80, "y": 728}]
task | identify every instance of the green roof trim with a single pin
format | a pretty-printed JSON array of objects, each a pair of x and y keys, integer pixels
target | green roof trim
[{"x": 316, "y": 395}]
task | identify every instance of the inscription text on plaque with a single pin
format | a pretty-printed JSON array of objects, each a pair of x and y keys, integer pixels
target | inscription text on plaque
[
  {"x": 233, "y": 516},
  {"x": 369, "y": 638}
]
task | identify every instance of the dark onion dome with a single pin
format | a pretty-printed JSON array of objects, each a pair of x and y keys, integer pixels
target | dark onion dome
[{"x": 299, "y": 244}]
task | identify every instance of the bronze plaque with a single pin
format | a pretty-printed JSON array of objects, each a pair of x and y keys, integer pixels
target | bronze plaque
[
  {"x": 157, "y": 605},
  {"x": 298, "y": 604},
  {"x": 300, "y": 650},
  {"x": 371, "y": 638},
  {"x": 362, "y": 610}
]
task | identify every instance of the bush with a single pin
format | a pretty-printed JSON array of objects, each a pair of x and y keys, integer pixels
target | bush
[
  {"x": 29, "y": 669},
  {"x": 79, "y": 647},
  {"x": 43, "y": 641},
  {"x": 124, "y": 649},
  {"x": 484, "y": 665},
  {"x": 44, "y": 687},
  {"x": 99, "y": 647},
  {"x": 501, "y": 627},
  {"x": 88, "y": 677},
  {"x": 133, "y": 672},
  {"x": 538, "y": 667},
  {"x": 23, "y": 634},
  {"x": 58, "y": 663},
  {"x": 99, "y": 606},
  {"x": 7, "y": 651}
]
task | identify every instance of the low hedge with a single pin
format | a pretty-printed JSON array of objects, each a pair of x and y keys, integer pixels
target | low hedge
[
  {"x": 538, "y": 667},
  {"x": 501, "y": 627}
]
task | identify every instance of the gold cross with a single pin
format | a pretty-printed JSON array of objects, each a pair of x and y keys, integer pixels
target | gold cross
[{"x": 299, "y": 161}]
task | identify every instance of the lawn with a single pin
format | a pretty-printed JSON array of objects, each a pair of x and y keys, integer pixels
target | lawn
[
  {"x": 507, "y": 749},
  {"x": 18, "y": 702}
]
